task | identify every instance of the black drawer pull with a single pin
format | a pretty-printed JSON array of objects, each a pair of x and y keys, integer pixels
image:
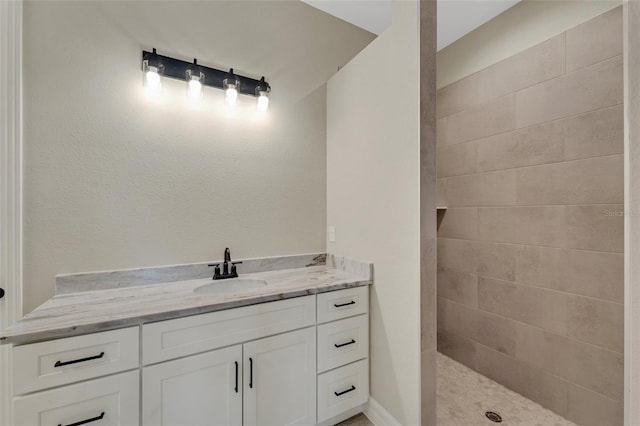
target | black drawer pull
[
  {"x": 61, "y": 363},
  {"x": 339, "y": 345},
  {"x": 236, "y": 388},
  {"x": 351, "y": 389},
  {"x": 353, "y": 302},
  {"x": 251, "y": 373},
  {"x": 84, "y": 422}
]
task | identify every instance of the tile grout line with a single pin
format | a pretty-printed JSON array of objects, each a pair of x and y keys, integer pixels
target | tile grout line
[
  {"x": 530, "y": 126},
  {"x": 561, "y": 75},
  {"x": 533, "y": 245},
  {"x": 551, "y": 163},
  {"x": 526, "y": 324}
]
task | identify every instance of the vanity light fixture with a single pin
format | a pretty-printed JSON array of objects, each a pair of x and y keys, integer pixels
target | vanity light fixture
[
  {"x": 195, "y": 80},
  {"x": 262, "y": 92},
  {"x": 231, "y": 86},
  {"x": 156, "y": 66},
  {"x": 152, "y": 68}
]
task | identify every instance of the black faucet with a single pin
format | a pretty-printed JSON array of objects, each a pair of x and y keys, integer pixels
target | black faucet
[{"x": 225, "y": 267}]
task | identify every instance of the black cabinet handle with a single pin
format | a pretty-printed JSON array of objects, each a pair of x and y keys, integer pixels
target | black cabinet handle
[
  {"x": 236, "y": 388},
  {"x": 351, "y": 389},
  {"x": 251, "y": 373},
  {"x": 75, "y": 361},
  {"x": 339, "y": 345},
  {"x": 84, "y": 422},
  {"x": 344, "y": 304},
  {"x": 1, "y": 293}
]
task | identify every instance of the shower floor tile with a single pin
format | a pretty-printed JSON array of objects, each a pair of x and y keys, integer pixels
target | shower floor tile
[{"x": 464, "y": 396}]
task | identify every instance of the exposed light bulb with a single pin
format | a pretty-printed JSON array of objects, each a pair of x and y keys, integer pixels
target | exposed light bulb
[
  {"x": 195, "y": 80},
  {"x": 231, "y": 96},
  {"x": 153, "y": 84},
  {"x": 262, "y": 92},
  {"x": 231, "y": 87},
  {"x": 263, "y": 102},
  {"x": 195, "y": 89}
]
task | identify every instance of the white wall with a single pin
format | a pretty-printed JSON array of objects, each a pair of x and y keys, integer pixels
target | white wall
[
  {"x": 526, "y": 24},
  {"x": 115, "y": 180},
  {"x": 373, "y": 199}
]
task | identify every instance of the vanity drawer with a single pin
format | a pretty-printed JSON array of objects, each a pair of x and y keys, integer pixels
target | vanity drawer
[
  {"x": 342, "y": 342},
  {"x": 342, "y": 389},
  {"x": 44, "y": 365},
  {"x": 110, "y": 401},
  {"x": 336, "y": 305},
  {"x": 171, "y": 339}
]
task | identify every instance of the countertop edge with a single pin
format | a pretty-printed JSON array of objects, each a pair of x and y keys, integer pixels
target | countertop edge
[{"x": 106, "y": 325}]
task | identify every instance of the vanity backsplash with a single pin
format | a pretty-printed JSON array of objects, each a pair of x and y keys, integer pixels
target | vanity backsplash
[{"x": 90, "y": 281}]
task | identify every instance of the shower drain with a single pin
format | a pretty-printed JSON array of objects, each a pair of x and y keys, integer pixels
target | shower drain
[{"x": 494, "y": 417}]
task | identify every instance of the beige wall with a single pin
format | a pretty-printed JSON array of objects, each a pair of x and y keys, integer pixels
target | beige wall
[
  {"x": 530, "y": 249},
  {"x": 519, "y": 28},
  {"x": 116, "y": 180},
  {"x": 373, "y": 199}
]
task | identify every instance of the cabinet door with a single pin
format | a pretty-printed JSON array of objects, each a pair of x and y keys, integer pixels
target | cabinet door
[
  {"x": 110, "y": 401},
  {"x": 200, "y": 390},
  {"x": 280, "y": 379}
]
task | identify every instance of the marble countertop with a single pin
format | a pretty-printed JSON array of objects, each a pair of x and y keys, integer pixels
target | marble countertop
[{"x": 92, "y": 311}]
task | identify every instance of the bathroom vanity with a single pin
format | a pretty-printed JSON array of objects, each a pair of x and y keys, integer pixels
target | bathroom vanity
[{"x": 299, "y": 360}]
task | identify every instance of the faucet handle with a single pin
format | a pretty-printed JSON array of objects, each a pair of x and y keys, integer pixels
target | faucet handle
[
  {"x": 216, "y": 271},
  {"x": 234, "y": 271}
]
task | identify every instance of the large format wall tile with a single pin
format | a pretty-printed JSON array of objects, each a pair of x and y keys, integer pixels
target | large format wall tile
[
  {"x": 490, "y": 118},
  {"x": 525, "y": 147},
  {"x": 457, "y": 347},
  {"x": 457, "y": 96},
  {"x": 588, "y": 408},
  {"x": 484, "y": 189},
  {"x": 531, "y": 269},
  {"x": 597, "y": 369},
  {"x": 457, "y": 159},
  {"x": 533, "y": 305},
  {"x": 546, "y": 389},
  {"x": 593, "y": 274},
  {"x": 534, "y": 65},
  {"x": 595, "y": 133},
  {"x": 595, "y": 40},
  {"x": 485, "y": 328},
  {"x": 592, "y": 181},
  {"x": 461, "y": 287},
  {"x": 478, "y": 257},
  {"x": 543, "y": 226},
  {"x": 599, "y": 227},
  {"x": 596, "y": 321},
  {"x": 588, "y": 89}
]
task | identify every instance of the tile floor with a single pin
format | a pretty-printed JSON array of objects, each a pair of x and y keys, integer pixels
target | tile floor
[{"x": 464, "y": 396}]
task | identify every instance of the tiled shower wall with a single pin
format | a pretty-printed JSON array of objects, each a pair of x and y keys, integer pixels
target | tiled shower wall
[{"x": 530, "y": 262}]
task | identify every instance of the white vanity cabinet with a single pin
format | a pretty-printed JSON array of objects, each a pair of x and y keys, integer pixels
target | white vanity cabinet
[
  {"x": 298, "y": 361},
  {"x": 280, "y": 379},
  {"x": 273, "y": 383},
  {"x": 200, "y": 390},
  {"x": 257, "y": 381},
  {"x": 109, "y": 401}
]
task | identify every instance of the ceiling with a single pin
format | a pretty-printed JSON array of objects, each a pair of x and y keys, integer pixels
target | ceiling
[{"x": 456, "y": 18}]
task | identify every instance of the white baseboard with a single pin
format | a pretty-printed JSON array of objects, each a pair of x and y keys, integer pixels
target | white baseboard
[{"x": 378, "y": 415}]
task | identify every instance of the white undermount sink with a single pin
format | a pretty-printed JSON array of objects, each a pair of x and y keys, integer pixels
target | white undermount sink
[{"x": 231, "y": 286}]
